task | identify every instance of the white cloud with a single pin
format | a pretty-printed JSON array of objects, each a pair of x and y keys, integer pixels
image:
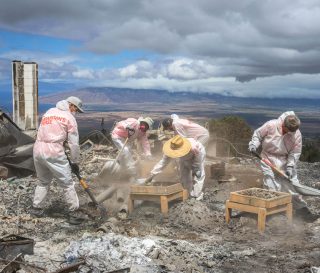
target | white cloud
[
  {"x": 128, "y": 71},
  {"x": 187, "y": 69},
  {"x": 139, "y": 69},
  {"x": 205, "y": 45},
  {"x": 291, "y": 86},
  {"x": 84, "y": 74},
  {"x": 60, "y": 61}
]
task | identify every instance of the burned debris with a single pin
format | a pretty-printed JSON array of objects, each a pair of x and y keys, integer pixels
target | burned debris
[
  {"x": 191, "y": 236},
  {"x": 15, "y": 149}
]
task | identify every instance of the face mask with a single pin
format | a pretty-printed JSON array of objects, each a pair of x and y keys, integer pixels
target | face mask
[
  {"x": 285, "y": 130},
  {"x": 143, "y": 128}
]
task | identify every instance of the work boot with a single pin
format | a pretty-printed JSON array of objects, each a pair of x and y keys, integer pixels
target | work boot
[
  {"x": 200, "y": 197},
  {"x": 76, "y": 217},
  {"x": 36, "y": 212},
  {"x": 306, "y": 215}
]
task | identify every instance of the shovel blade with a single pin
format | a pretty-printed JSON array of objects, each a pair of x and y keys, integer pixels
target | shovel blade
[
  {"x": 103, "y": 212},
  {"x": 305, "y": 190},
  {"x": 111, "y": 167}
]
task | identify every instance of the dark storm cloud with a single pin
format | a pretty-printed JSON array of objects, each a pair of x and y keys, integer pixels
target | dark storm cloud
[{"x": 246, "y": 39}]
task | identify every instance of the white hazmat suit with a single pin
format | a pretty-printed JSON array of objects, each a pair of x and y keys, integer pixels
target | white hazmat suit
[
  {"x": 188, "y": 129},
  {"x": 119, "y": 136},
  {"x": 191, "y": 168},
  {"x": 57, "y": 126},
  {"x": 282, "y": 151}
]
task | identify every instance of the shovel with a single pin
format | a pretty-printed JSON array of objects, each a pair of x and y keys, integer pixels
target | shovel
[
  {"x": 113, "y": 166},
  {"x": 83, "y": 183},
  {"x": 302, "y": 189}
]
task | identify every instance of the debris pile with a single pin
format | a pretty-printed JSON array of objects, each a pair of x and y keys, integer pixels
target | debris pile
[
  {"x": 260, "y": 193},
  {"x": 196, "y": 216},
  {"x": 308, "y": 173},
  {"x": 113, "y": 252},
  {"x": 194, "y": 237}
]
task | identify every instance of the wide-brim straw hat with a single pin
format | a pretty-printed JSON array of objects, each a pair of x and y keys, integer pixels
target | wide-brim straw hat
[{"x": 177, "y": 147}]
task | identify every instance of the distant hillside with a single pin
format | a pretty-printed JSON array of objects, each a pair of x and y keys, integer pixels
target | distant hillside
[{"x": 111, "y": 95}]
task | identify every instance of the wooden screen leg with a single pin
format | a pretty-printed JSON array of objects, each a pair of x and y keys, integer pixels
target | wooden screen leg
[
  {"x": 184, "y": 195},
  {"x": 289, "y": 212},
  {"x": 130, "y": 204},
  {"x": 262, "y": 219},
  {"x": 228, "y": 212},
  {"x": 164, "y": 205}
]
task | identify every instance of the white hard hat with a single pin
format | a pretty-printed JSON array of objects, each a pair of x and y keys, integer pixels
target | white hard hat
[
  {"x": 147, "y": 120},
  {"x": 77, "y": 102}
]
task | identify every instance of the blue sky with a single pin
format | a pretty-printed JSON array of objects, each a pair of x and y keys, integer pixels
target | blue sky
[{"x": 246, "y": 48}]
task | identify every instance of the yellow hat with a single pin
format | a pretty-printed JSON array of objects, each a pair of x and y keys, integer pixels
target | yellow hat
[{"x": 177, "y": 147}]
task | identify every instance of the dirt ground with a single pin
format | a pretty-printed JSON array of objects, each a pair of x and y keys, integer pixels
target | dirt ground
[{"x": 193, "y": 238}]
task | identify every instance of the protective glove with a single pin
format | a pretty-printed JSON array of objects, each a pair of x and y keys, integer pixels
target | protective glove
[
  {"x": 289, "y": 172},
  {"x": 252, "y": 148},
  {"x": 75, "y": 168},
  {"x": 197, "y": 174},
  {"x": 149, "y": 180},
  {"x": 130, "y": 131}
]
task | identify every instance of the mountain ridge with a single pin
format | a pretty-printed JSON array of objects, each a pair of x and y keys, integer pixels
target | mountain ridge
[{"x": 113, "y": 95}]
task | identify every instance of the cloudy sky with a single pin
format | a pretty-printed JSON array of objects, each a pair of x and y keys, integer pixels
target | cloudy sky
[{"x": 243, "y": 47}]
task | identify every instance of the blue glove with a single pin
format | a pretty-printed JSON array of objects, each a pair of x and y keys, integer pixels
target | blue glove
[{"x": 289, "y": 172}]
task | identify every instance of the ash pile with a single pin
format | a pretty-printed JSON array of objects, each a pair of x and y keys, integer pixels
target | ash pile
[{"x": 193, "y": 238}]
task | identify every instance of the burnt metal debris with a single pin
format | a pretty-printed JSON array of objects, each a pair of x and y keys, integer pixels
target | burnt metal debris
[
  {"x": 194, "y": 238},
  {"x": 13, "y": 245},
  {"x": 16, "y": 148}
]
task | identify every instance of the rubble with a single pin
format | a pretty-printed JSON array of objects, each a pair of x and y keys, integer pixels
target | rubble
[
  {"x": 261, "y": 193},
  {"x": 308, "y": 173},
  {"x": 16, "y": 149},
  {"x": 194, "y": 237},
  {"x": 3, "y": 172}
]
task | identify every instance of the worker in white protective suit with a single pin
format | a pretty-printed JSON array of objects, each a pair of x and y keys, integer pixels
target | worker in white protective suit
[
  {"x": 191, "y": 154},
  {"x": 281, "y": 143},
  {"x": 58, "y": 125},
  {"x": 131, "y": 129},
  {"x": 186, "y": 128}
]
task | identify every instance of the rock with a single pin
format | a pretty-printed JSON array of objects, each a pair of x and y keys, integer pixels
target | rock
[
  {"x": 3, "y": 172},
  {"x": 210, "y": 264}
]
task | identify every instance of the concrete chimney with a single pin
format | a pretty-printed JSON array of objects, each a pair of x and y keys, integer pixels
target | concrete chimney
[{"x": 25, "y": 94}]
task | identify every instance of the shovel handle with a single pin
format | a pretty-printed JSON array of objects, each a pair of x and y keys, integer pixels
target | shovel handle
[
  {"x": 120, "y": 152},
  {"x": 85, "y": 186},
  {"x": 256, "y": 155},
  {"x": 83, "y": 183},
  {"x": 274, "y": 168},
  {"x": 87, "y": 190}
]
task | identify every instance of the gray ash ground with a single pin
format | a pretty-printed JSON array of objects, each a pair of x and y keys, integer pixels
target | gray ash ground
[
  {"x": 194, "y": 237},
  {"x": 309, "y": 173}
]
